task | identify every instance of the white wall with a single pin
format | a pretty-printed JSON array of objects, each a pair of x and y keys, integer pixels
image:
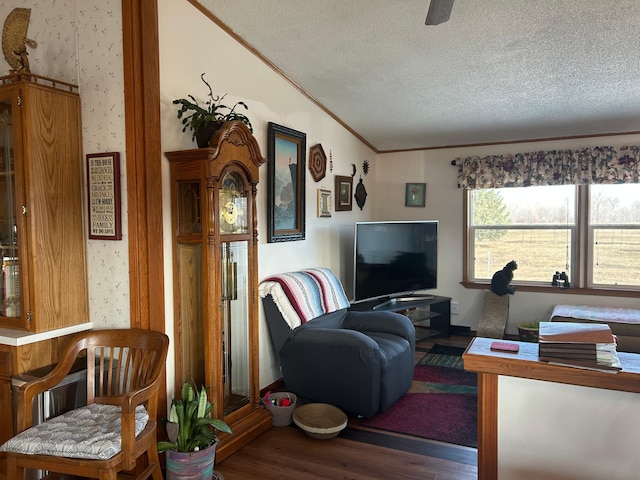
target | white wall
[
  {"x": 555, "y": 431},
  {"x": 195, "y": 45},
  {"x": 444, "y": 202}
]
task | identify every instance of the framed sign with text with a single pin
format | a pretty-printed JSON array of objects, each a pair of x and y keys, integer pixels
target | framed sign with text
[{"x": 103, "y": 179}]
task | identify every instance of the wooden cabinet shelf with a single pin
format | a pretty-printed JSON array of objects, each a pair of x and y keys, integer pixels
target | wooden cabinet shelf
[{"x": 44, "y": 281}]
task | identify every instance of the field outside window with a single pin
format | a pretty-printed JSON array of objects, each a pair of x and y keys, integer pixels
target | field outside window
[
  {"x": 614, "y": 232},
  {"x": 565, "y": 228}
]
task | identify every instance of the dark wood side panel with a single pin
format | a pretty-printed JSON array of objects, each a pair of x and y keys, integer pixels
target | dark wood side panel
[
  {"x": 487, "y": 426},
  {"x": 144, "y": 179},
  {"x": 144, "y": 162}
]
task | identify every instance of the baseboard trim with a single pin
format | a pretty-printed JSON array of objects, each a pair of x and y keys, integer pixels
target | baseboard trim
[
  {"x": 421, "y": 446},
  {"x": 461, "y": 330},
  {"x": 278, "y": 384}
]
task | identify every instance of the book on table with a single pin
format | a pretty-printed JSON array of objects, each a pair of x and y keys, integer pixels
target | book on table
[{"x": 582, "y": 345}]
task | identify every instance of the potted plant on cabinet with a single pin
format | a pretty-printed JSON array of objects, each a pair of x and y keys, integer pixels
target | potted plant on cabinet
[
  {"x": 191, "y": 447},
  {"x": 528, "y": 331},
  {"x": 205, "y": 119}
]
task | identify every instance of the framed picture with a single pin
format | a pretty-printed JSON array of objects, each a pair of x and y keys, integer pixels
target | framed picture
[
  {"x": 415, "y": 194},
  {"x": 103, "y": 180},
  {"x": 344, "y": 193},
  {"x": 286, "y": 185},
  {"x": 324, "y": 202}
]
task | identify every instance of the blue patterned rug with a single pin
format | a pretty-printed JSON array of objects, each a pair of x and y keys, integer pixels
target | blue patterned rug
[{"x": 443, "y": 356}]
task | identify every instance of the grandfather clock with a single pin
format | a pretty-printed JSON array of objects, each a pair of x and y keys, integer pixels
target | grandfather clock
[{"x": 215, "y": 271}]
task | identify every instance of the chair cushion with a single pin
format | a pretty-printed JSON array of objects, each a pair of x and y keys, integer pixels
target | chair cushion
[
  {"x": 396, "y": 367},
  {"x": 91, "y": 432}
]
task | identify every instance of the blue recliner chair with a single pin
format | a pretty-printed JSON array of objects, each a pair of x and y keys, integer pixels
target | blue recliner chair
[{"x": 361, "y": 362}]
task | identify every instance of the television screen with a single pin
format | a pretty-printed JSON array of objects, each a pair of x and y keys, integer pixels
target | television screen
[{"x": 394, "y": 258}]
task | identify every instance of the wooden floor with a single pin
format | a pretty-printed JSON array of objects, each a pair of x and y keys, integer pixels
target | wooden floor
[{"x": 357, "y": 453}]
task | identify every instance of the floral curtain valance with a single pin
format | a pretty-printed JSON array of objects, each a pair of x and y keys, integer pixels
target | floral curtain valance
[{"x": 603, "y": 165}]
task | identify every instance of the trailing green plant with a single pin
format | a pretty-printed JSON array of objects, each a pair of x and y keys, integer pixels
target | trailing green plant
[
  {"x": 194, "y": 115},
  {"x": 532, "y": 325},
  {"x": 190, "y": 426}
]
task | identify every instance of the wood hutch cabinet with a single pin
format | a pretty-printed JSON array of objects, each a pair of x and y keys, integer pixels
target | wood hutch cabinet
[
  {"x": 42, "y": 234},
  {"x": 215, "y": 269},
  {"x": 43, "y": 288}
]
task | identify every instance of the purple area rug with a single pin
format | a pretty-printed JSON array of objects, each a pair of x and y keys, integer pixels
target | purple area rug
[{"x": 441, "y": 405}]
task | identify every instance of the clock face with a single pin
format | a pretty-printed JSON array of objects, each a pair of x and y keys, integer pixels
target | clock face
[
  {"x": 233, "y": 205},
  {"x": 229, "y": 212}
]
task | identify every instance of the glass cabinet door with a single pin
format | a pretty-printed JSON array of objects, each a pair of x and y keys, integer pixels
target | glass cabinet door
[
  {"x": 234, "y": 266},
  {"x": 10, "y": 285},
  {"x": 235, "y": 324},
  {"x": 192, "y": 360}
]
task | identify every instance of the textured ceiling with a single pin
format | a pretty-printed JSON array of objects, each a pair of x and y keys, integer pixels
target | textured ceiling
[{"x": 497, "y": 71}]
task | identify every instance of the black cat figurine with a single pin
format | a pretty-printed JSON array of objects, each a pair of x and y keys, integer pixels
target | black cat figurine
[{"x": 502, "y": 278}]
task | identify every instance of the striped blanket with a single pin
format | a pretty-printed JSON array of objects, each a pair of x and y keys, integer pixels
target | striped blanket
[{"x": 304, "y": 295}]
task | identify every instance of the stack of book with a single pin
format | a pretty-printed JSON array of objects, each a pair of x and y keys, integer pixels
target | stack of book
[{"x": 583, "y": 345}]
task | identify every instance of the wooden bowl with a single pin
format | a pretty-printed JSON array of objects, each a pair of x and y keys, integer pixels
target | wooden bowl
[{"x": 320, "y": 420}]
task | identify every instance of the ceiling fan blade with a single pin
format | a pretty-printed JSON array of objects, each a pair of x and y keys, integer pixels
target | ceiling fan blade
[{"x": 439, "y": 12}]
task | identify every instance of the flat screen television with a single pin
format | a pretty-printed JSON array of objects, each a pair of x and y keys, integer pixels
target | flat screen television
[{"x": 394, "y": 259}]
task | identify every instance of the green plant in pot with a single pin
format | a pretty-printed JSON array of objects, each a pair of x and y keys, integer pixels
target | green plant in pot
[
  {"x": 191, "y": 433},
  {"x": 205, "y": 119},
  {"x": 528, "y": 331}
]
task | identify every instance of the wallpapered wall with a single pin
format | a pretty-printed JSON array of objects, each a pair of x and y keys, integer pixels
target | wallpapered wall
[{"x": 80, "y": 42}]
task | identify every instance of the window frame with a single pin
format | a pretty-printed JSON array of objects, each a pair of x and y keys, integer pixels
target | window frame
[{"x": 581, "y": 253}]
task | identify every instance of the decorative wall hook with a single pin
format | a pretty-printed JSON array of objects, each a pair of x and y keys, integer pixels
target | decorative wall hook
[{"x": 361, "y": 194}]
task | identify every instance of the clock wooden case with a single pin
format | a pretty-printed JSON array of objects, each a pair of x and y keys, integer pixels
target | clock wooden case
[{"x": 215, "y": 251}]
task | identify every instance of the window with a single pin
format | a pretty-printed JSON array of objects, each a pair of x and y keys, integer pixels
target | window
[
  {"x": 614, "y": 235},
  {"x": 590, "y": 232}
]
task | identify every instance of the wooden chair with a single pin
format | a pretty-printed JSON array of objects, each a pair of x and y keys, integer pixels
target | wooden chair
[{"x": 117, "y": 428}]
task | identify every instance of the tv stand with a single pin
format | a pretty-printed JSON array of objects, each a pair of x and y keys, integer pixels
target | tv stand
[
  {"x": 430, "y": 314},
  {"x": 401, "y": 300}
]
